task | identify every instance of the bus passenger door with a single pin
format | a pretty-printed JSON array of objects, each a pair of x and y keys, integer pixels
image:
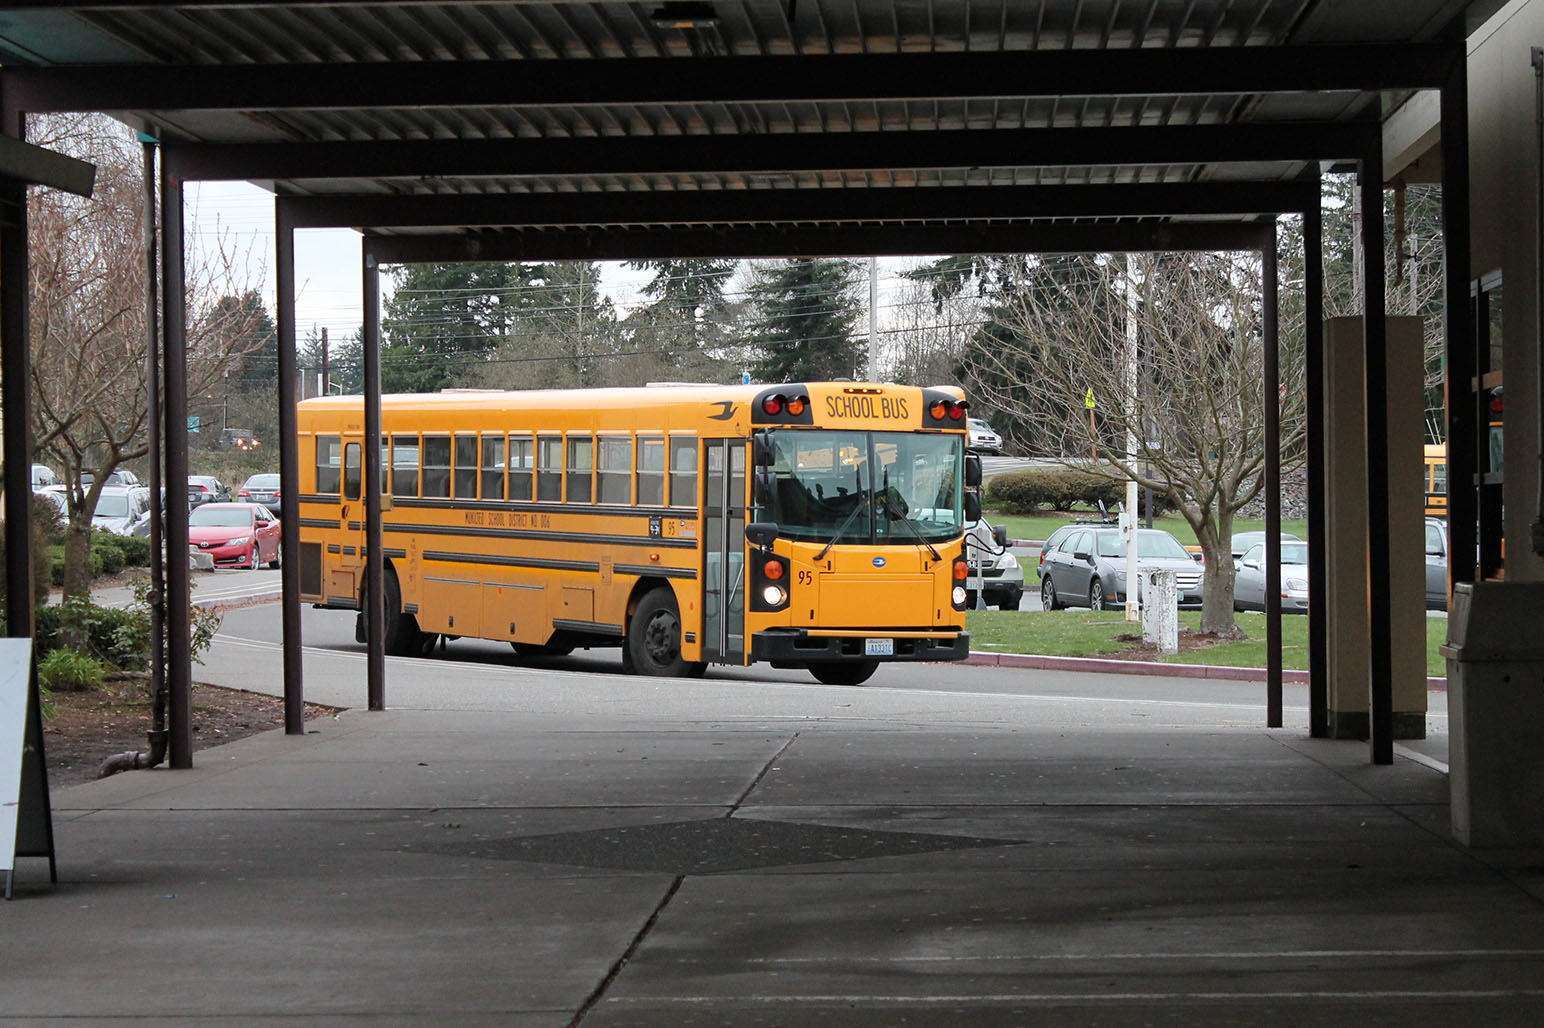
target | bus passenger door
[
  {"x": 351, "y": 520},
  {"x": 723, "y": 590}
]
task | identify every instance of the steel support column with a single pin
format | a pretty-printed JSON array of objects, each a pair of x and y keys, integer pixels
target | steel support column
[
  {"x": 179, "y": 665},
  {"x": 375, "y": 573},
  {"x": 1463, "y": 435},
  {"x": 15, "y": 386},
  {"x": 154, "y": 439},
  {"x": 1375, "y": 356},
  {"x": 1271, "y": 343},
  {"x": 1313, "y": 344},
  {"x": 289, "y": 470}
]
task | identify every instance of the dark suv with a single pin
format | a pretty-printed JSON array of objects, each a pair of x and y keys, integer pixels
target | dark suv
[{"x": 204, "y": 489}]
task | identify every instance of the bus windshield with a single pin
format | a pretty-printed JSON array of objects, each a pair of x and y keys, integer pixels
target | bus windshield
[{"x": 864, "y": 484}]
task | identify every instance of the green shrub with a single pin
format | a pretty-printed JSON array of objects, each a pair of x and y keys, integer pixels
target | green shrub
[
  {"x": 1060, "y": 489},
  {"x": 104, "y": 547},
  {"x": 68, "y": 671}
]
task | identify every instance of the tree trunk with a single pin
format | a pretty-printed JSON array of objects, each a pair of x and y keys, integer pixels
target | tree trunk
[{"x": 77, "y": 581}]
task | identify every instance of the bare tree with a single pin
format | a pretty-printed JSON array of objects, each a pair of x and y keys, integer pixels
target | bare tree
[
  {"x": 1197, "y": 413},
  {"x": 930, "y": 332},
  {"x": 88, "y": 281}
]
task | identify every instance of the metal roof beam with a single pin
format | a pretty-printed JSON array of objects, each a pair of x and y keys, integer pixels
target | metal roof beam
[
  {"x": 883, "y": 241},
  {"x": 630, "y": 155},
  {"x": 803, "y": 207},
  {"x": 35, "y": 165},
  {"x": 721, "y": 80}
]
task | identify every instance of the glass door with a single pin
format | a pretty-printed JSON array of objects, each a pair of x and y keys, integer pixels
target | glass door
[{"x": 723, "y": 600}]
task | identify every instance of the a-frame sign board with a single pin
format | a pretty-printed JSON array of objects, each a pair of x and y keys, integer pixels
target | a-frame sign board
[{"x": 26, "y": 816}]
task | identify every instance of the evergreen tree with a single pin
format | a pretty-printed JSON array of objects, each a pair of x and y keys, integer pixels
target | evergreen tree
[{"x": 806, "y": 311}]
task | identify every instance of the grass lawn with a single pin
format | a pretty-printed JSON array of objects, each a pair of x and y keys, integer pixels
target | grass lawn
[
  {"x": 1085, "y": 633},
  {"x": 1040, "y": 527}
]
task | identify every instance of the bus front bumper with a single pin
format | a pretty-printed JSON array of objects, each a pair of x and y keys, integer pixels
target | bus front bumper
[{"x": 798, "y": 647}]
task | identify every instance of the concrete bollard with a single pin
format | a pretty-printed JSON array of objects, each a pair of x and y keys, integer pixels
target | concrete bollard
[{"x": 1160, "y": 609}]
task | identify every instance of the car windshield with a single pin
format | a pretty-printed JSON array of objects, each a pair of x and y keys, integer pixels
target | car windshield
[
  {"x": 112, "y": 506},
  {"x": 1151, "y": 545},
  {"x": 220, "y": 517},
  {"x": 1294, "y": 553},
  {"x": 823, "y": 481}
]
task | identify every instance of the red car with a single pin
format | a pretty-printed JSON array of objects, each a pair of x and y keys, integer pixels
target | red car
[{"x": 241, "y": 535}]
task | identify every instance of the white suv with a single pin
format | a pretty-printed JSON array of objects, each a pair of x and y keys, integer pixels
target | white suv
[{"x": 982, "y": 439}]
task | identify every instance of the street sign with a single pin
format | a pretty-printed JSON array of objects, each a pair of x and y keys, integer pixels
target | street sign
[
  {"x": 1088, "y": 401},
  {"x": 192, "y": 424}
]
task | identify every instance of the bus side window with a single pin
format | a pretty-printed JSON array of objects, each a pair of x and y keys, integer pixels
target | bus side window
[
  {"x": 466, "y": 467},
  {"x": 581, "y": 464},
  {"x": 351, "y": 478},
  {"x": 493, "y": 467},
  {"x": 436, "y": 465},
  {"x": 522, "y": 463},
  {"x": 683, "y": 471},
  {"x": 404, "y": 465},
  {"x": 651, "y": 471},
  {"x": 385, "y": 466},
  {"x": 549, "y": 471},
  {"x": 613, "y": 469},
  {"x": 328, "y": 458}
]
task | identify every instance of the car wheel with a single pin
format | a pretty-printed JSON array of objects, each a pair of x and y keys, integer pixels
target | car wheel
[
  {"x": 1048, "y": 598},
  {"x": 846, "y": 673},
  {"x": 654, "y": 637},
  {"x": 252, "y": 558},
  {"x": 1096, "y": 595},
  {"x": 276, "y": 559}
]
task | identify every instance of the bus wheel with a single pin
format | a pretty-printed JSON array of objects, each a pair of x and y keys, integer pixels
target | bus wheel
[
  {"x": 845, "y": 673},
  {"x": 402, "y": 634},
  {"x": 654, "y": 637}
]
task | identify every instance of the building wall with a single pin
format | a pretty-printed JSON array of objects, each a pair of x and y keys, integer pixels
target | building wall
[{"x": 1503, "y": 159}]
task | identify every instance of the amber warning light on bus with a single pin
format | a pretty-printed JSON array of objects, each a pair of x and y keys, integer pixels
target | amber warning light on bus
[{"x": 777, "y": 403}]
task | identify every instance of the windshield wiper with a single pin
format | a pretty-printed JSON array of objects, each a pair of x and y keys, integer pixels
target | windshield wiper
[
  {"x": 852, "y": 515},
  {"x": 900, "y": 515}
]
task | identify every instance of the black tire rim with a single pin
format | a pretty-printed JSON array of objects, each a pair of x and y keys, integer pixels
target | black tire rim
[{"x": 662, "y": 639}]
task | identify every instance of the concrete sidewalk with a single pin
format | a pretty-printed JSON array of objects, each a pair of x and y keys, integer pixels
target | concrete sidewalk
[{"x": 536, "y": 850}]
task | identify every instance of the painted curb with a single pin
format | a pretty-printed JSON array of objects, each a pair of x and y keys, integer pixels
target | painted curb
[{"x": 1104, "y": 665}]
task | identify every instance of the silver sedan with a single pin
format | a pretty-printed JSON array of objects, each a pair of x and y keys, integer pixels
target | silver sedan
[{"x": 1249, "y": 578}]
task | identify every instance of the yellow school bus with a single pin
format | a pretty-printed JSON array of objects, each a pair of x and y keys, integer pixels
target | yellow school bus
[
  {"x": 1436, "y": 480},
  {"x": 807, "y": 525}
]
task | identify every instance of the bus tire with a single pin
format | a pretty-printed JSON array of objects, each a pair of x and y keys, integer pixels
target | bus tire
[
  {"x": 854, "y": 672},
  {"x": 402, "y": 635},
  {"x": 654, "y": 637}
]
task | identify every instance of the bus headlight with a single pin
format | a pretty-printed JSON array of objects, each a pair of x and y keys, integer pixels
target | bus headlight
[
  {"x": 959, "y": 596},
  {"x": 774, "y": 595}
]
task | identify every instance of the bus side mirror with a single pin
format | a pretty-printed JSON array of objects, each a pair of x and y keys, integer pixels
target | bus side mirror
[
  {"x": 972, "y": 473},
  {"x": 762, "y": 533},
  {"x": 763, "y": 486},
  {"x": 761, "y": 449},
  {"x": 972, "y": 506},
  {"x": 1000, "y": 535}
]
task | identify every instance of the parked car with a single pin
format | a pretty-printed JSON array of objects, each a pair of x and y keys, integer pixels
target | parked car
[
  {"x": 241, "y": 535},
  {"x": 43, "y": 476},
  {"x": 121, "y": 510},
  {"x": 1436, "y": 564},
  {"x": 204, "y": 489},
  {"x": 993, "y": 566},
  {"x": 1242, "y": 541},
  {"x": 1249, "y": 577},
  {"x": 982, "y": 439},
  {"x": 1052, "y": 541},
  {"x": 1088, "y": 568},
  {"x": 262, "y": 489}
]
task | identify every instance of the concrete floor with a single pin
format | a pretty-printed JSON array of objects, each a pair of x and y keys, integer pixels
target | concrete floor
[{"x": 603, "y": 851}]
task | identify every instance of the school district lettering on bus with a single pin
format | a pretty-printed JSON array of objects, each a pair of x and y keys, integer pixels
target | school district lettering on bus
[{"x": 812, "y": 525}]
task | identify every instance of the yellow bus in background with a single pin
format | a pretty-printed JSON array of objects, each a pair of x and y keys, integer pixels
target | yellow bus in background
[
  {"x": 811, "y": 525},
  {"x": 1436, "y": 480}
]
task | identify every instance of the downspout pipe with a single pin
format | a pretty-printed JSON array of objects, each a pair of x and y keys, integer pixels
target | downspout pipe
[{"x": 1537, "y": 529}]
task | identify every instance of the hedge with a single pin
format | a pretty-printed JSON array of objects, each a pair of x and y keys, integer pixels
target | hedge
[{"x": 1058, "y": 489}]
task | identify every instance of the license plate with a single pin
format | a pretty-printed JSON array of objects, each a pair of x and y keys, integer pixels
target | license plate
[{"x": 878, "y": 647}]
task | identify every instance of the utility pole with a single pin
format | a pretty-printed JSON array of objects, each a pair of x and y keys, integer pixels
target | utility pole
[
  {"x": 1129, "y": 518},
  {"x": 324, "y": 360},
  {"x": 873, "y": 349}
]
